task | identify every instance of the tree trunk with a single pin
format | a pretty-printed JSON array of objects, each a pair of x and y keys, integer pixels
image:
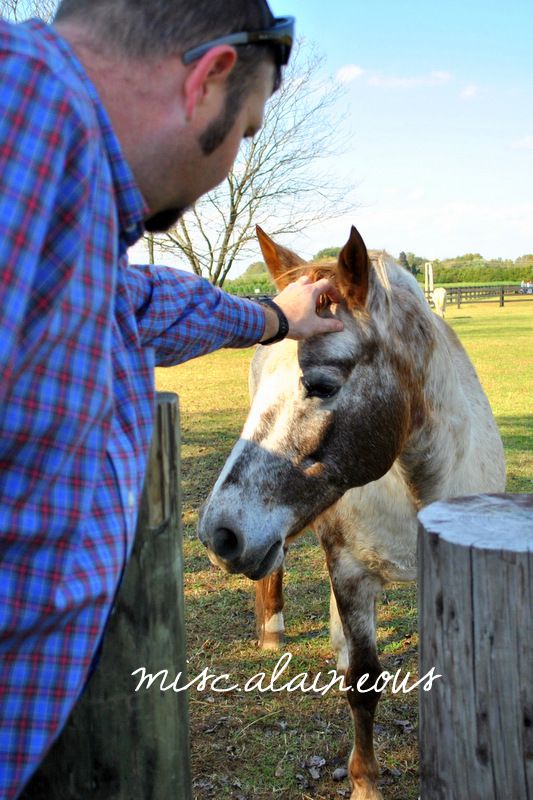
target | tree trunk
[{"x": 150, "y": 241}]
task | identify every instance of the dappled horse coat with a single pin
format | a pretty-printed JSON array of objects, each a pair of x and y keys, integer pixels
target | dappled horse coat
[{"x": 351, "y": 433}]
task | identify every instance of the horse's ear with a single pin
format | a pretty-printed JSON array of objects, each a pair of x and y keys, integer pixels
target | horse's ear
[
  {"x": 353, "y": 270},
  {"x": 283, "y": 265}
]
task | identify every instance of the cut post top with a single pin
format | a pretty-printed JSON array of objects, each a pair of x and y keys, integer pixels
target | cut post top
[{"x": 487, "y": 521}]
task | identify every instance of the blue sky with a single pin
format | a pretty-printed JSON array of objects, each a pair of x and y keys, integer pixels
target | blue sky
[{"x": 440, "y": 121}]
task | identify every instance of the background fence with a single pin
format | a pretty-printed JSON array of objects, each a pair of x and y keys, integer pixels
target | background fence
[{"x": 459, "y": 295}]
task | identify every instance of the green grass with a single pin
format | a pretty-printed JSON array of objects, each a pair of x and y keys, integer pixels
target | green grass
[
  {"x": 248, "y": 745},
  {"x": 498, "y": 341}
]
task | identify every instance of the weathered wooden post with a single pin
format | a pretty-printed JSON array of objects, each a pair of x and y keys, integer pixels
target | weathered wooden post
[
  {"x": 502, "y": 297},
  {"x": 119, "y": 744},
  {"x": 459, "y": 297},
  {"x": 476, "y": 630},
  {"x": 428, "y": 280}
]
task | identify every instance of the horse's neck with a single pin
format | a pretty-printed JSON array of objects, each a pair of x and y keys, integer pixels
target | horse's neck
[{"x": 434, "y": 446}]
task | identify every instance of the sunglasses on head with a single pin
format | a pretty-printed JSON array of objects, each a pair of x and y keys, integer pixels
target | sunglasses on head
[{"x": 280, "y": 36}]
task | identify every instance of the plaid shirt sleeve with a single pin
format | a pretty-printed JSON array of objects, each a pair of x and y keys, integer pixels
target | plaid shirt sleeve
[{"x": 183, "y": 316}]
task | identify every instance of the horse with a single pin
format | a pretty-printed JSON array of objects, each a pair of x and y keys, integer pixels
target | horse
[
  {"x": 351, "y": 433},
  {"x": 439, "y": 301}
]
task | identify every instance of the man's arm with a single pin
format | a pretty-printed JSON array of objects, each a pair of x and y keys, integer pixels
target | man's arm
[{"x": 183, "y": 316}]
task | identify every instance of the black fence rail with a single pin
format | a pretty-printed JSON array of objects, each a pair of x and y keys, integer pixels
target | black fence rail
[{"x": 458, "y": 295}]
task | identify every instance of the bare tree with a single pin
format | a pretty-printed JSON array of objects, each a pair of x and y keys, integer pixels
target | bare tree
[
  {"x": 279, "y": 180},
  {"x": 18, "y": 10}
]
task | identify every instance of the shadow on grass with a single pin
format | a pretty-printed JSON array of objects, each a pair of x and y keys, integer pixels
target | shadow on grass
[
  {"x": 223, "y": 606},
  {"x": 516, "y": 432}
]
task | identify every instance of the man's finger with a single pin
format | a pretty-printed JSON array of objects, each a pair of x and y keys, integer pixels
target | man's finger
[
  {"x": 325, "y": 286},
  {"x": 329, "y": 325}
]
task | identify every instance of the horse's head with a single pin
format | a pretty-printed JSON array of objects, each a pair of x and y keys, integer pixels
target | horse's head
[{"x": 328, "y": 414}]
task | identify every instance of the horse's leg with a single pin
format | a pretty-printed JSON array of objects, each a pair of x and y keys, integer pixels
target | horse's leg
[
  {"x": 355, "y": 592},
  {"x": 269, "y": 610}
]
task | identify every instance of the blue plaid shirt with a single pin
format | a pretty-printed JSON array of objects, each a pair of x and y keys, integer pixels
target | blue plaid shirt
[{"x": 80, "y": 334}]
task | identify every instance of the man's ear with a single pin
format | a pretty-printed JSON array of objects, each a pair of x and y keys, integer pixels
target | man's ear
[
  {"x": 208, "y": 73},
  {"x": 353, "y": 270},
  {"x": 283, "y": 265}
]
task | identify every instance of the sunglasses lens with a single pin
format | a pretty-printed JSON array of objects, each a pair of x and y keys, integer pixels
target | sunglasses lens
[
  {"x": 284, "y": 54},
  {"x": 283, "y": 38}
]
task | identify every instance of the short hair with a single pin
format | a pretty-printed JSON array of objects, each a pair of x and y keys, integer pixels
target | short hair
[{"x": 159, "y": 28}]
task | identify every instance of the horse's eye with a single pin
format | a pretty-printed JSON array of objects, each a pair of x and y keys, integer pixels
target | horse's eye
[{"x": 320, "y": 389}]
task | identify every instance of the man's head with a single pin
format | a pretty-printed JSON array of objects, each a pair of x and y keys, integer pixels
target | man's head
[{"x": 198, "y": 37}]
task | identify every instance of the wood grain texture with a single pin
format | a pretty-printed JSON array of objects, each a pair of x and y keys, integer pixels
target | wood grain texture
[
  {"x": 475, "y": 559},
  {"x": 120, "y": 744}
]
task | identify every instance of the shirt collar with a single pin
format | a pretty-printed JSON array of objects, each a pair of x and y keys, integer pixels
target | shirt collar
[{"x": 131, "y": 207}]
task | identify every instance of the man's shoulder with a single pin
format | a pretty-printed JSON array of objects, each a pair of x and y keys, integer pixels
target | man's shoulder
[
  {"x": 28, "y": 42},
  {"x": 33, "y": 48}
]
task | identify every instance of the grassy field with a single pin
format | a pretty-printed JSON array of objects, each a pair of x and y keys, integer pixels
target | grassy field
[{"x": 262, "y": 745}]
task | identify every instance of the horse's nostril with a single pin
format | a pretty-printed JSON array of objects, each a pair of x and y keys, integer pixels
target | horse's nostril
[{"x": 226, "y": 544}]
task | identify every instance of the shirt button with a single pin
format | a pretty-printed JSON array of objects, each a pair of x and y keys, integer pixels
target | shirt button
[{"x": 131, "y": 499}]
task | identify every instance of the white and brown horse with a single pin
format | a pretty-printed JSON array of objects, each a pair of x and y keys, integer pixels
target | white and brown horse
[{"x": 352, "y": 433}]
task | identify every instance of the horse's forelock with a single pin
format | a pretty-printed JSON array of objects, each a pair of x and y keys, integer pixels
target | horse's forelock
[
  {"x": 315, "y": 271},
  {"x": 380, "y": 290},
  {"x": 379, "y": 278}
]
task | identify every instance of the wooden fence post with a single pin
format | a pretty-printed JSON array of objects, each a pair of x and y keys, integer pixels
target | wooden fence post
[
  {"x": 502, "y": 297},
  {"x": 459, "y": 297},
  {"x": 476, "y": 629},
  {"x": 120, "y": 744}
]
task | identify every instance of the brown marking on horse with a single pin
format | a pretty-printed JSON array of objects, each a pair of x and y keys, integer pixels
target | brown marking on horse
[{"x": 269, "y": 602}]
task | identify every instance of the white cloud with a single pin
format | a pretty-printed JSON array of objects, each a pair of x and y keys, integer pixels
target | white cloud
[
  {"x": 352, "y": 72},
  {"x": 469, "y": 91},
  {"x": 395, "y": 82},
  {"x": 525, "y": 143},
  {"x": 349, "y": 73},
  {"x": 417, "y": 193}
]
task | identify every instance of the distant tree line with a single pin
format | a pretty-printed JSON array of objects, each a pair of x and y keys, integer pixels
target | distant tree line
[
  {"x": 473, "y": 268},
  {"x": 255, "y": 280}
]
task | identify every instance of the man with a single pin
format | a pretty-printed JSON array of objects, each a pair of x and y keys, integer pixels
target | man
[{"x": 112, "y": 121}]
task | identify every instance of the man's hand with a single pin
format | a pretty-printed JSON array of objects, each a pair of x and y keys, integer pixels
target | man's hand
[{"x": 298, "y": 301}]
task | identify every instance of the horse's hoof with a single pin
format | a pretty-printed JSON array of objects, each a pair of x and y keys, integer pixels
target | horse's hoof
[
  {"x": 272, "y": 640},
  {"x": 363, "y": 789}
]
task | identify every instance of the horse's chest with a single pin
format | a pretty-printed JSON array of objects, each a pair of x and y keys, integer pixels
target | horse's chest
[{"x": 376, "y": 527}]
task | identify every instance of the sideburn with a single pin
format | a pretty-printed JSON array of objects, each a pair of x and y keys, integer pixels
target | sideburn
[{"x": 212, "y": 137}]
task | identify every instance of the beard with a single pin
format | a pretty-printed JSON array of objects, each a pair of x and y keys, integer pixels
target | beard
[
  {"x": 163, "y": 221},
  {"x": 209, "y": 140}
]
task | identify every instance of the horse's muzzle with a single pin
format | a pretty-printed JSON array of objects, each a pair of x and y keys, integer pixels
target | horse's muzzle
[{"x": 227, "y": 548}]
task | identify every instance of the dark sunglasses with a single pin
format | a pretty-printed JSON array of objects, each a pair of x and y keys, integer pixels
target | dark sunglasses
[{"x": 280, "y": 35}]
